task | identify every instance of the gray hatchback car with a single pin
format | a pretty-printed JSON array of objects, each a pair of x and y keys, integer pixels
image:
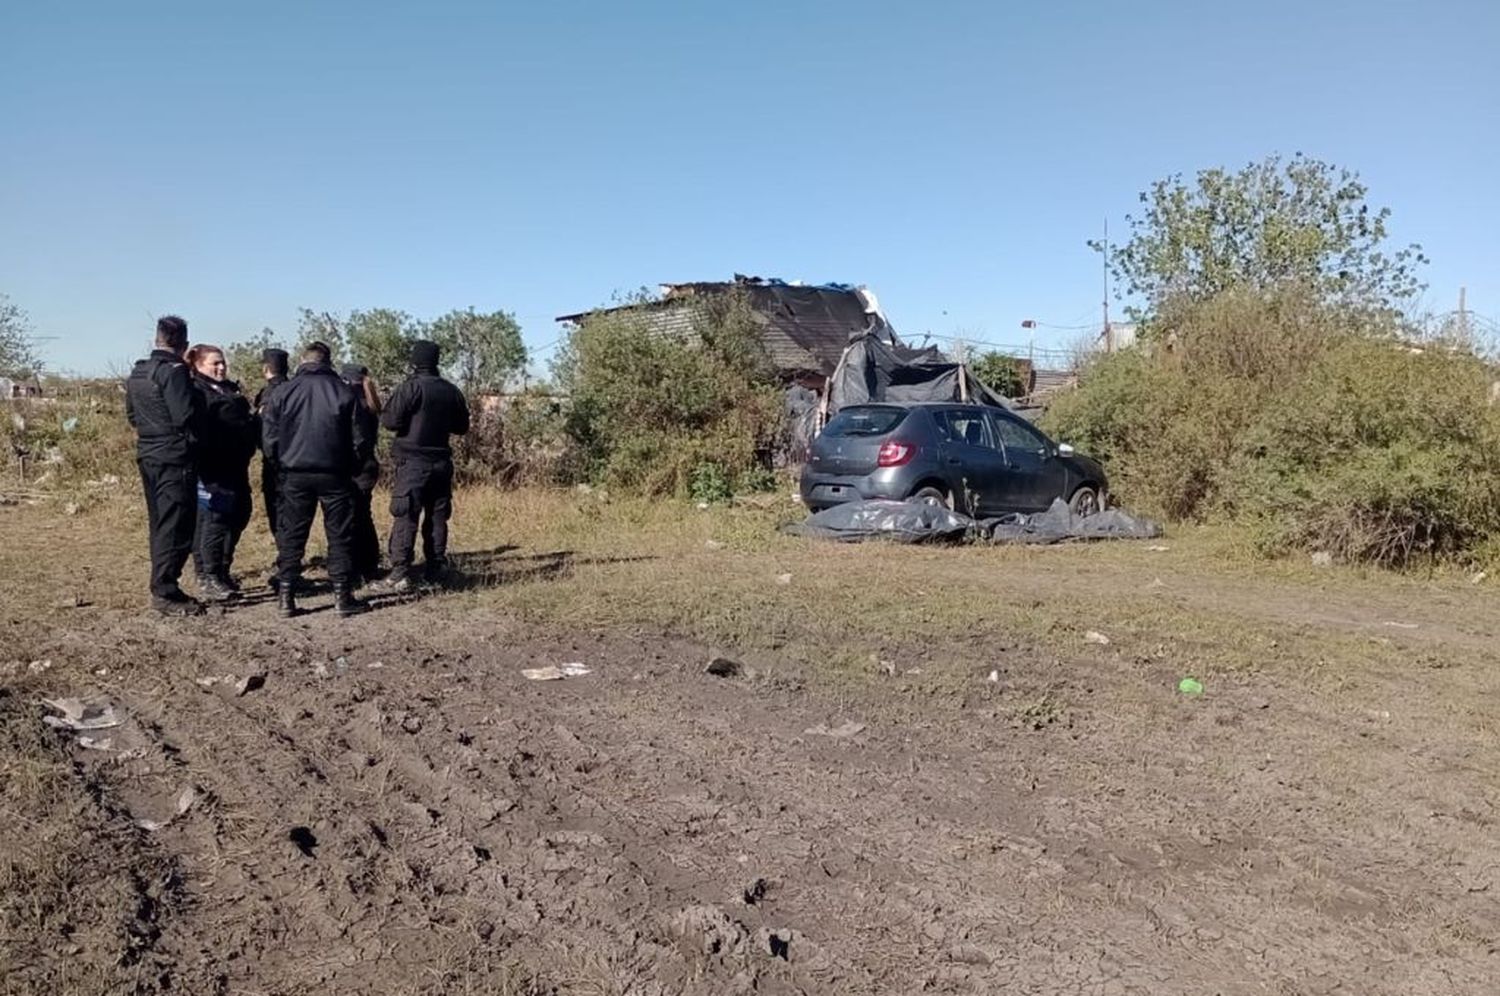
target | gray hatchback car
[{"x": 972, "y": 458}]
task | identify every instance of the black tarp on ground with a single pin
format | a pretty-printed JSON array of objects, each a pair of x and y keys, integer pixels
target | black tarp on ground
[
  {"x": 1059, "y": 523},
  {"x": 926, "y": 522},
  {"x": 902, "y": 521}
]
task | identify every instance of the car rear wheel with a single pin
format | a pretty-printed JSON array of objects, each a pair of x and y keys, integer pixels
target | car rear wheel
[
  {"x": 1085, "y": 501},
  {"x": 932, "y": 496}
]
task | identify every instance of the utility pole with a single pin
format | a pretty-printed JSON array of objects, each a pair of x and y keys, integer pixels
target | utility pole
[
  {"x": 1463, "y": 315},
  {"x": 1109, "y": 333}
]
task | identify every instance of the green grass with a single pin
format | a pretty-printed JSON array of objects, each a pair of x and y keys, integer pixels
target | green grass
[{"x": 727, "y": 578}]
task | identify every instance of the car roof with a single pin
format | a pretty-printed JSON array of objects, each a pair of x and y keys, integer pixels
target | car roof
[{"x": 910, "y": 405}]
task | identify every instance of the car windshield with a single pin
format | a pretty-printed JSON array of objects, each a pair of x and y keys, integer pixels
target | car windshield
[{"x": 865, "y": 421}]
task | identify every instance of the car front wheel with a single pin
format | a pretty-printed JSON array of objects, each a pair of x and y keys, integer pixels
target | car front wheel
[{"x": 1085, "y": 501}]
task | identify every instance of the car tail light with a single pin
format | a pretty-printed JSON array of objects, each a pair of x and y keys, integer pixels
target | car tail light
[{"x": 894, "y": 454}]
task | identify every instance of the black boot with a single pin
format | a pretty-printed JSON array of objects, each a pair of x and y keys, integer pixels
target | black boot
[
  {"x": 176, "y": 604},
  {"x": 345, "y": 602},
  {"x": 287, "y": 598},
  {"x": 214, "y": 590},
  {"x": 397, "y": 582}
]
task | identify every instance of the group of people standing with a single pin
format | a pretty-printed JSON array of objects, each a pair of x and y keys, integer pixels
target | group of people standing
[{"x": 316, "y": 430}]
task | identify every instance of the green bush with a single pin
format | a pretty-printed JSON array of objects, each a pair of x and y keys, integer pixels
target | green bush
[
  {"x": 67, "y": 439},
  {"x": 515, "y": 439},
  {"x": 648, "y": 409},
  {"x": 1319, "y": 430},
  {"x": 1378, "y": 454},
  {"x": 999, "y": 373},
  {"x": 709, "y": 483}
]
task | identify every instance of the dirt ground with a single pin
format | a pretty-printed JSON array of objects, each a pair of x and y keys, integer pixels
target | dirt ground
[{"x": 931, "y": 774}]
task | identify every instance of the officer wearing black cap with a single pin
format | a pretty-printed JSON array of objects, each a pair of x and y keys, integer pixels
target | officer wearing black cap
[
  {"x": 310, "y": 430},
  {"x": 273, "y": 367},
  {"x": 367, "y": 474},
  {"x": 423, "y": 412},
  {"x": 165, "y": 410}
]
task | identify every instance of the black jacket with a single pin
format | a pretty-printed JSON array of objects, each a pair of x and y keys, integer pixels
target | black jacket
[
  {"x": 228, "y": 435},
  {"x": 263, "y": 398},
  {"x": 423, "y": 412},
  {"x": 264, "y": 394},
  {"x": 308, "y": 426},
  {"x": 164, "y": 408},
  {"x": 367, "y": 474}
]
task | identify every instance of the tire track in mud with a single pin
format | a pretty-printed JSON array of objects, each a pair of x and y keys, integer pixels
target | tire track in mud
[{"x": 649, "y": 829}]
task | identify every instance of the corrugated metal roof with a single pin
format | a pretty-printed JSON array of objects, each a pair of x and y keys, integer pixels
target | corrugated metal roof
[
  {"x": 806, "y": 328},
  {"x": 1049, "y": 382}
]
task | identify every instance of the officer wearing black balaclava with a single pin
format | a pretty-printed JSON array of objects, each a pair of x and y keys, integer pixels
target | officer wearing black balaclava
[
  {"x": 165, "y": 410},
  {"x": 423, "y": 412}
]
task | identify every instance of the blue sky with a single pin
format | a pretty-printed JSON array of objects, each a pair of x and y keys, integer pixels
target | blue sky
[{"x": 232, "y": 162}]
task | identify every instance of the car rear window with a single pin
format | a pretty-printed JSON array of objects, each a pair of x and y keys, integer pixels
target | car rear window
[{"x": 865, "y": 421}]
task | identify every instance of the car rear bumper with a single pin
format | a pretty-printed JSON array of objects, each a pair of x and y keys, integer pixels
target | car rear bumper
[{"x": 821, "y": 491}]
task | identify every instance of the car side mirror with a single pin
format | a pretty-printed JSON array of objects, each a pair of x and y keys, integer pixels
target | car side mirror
[{"x": 1065, "y": 450}]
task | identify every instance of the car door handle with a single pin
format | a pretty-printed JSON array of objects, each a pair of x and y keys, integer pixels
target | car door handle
[{"x": 955, "y": 461}]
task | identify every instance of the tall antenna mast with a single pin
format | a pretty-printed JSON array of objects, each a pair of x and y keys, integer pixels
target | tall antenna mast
[{"x": 1109, "y": 333}]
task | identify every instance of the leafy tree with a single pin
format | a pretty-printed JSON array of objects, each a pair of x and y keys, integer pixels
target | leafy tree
[
  {"x": 17, "y": 349},
  {"x": 381, "y": 339},
  {"x": 321, "y": 326},
  {"x": 1277, "y": 222},
  {"x": 999, "y": 373},
  {"x": 243, "y": 357},
  {"x": 482, "y": 352},
  {"x": 648, "y": 411}
]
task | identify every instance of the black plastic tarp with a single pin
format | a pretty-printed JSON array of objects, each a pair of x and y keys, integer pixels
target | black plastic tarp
[
  {"x": 927, "y": 522},
  {"x": 877, "y": 368},
  {"x": 1060, "y": 523},
  {"x": 874, "y": 369},
  {"x": 902, "y": 521}
]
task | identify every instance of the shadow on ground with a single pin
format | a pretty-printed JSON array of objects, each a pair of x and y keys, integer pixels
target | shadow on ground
[
  {"x": 491, "y": 568},
  {"x": 467, "y": 571}
]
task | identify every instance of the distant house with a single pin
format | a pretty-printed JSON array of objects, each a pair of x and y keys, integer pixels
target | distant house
[
  {"x": 805, "y": 327},
  {"x": 16, "y": 389},
  {"x": 1117, "y": 336}
]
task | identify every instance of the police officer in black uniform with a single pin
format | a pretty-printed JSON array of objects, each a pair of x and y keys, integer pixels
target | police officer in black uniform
[
  {"x": 228, "y": 438},
  {"x": 367, "y": 475},
  {"x": 423, "y": 411},
  {"x": 165, "y": 410},
  {"x": 310, "y": 430},
  {"x": 273, "y": 366}
]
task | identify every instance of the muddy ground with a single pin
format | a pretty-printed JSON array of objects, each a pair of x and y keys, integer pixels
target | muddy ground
[{"x": 396, "y": 809}]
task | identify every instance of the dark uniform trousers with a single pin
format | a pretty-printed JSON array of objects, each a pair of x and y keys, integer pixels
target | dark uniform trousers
[
  {"x": 219, "y": 529},
  {"x": 270, "y": 475},
  {"x": 423, "y": 490},
  {"x": 172, "y": 514},
  {"x": 366, "y": 540},
  {"x": 299, "y": 496}
]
